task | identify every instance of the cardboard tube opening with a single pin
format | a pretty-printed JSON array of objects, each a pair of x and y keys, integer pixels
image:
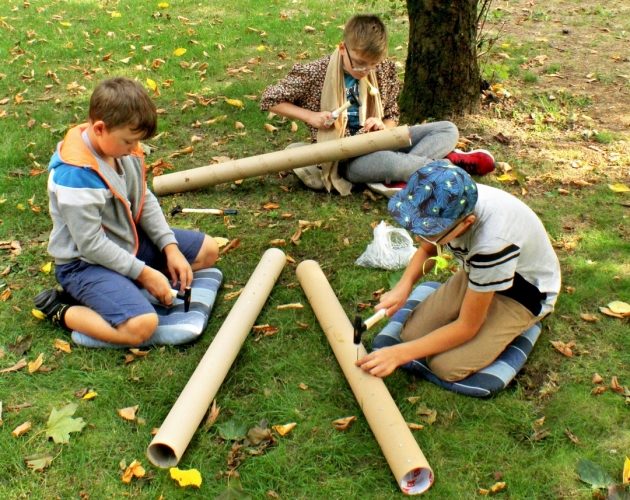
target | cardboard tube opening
[
  {"x": 162, "y": 455},
  {"x": 416, "y": 481}
]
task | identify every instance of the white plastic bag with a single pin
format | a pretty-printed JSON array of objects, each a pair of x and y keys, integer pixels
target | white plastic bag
[{"x": 391, "y": 249}]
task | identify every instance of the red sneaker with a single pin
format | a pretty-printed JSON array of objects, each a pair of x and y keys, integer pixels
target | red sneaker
[{"x": 476, "y": 162}]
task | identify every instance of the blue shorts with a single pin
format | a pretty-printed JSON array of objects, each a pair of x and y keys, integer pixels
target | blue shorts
[{"x": 115, "y": 297}]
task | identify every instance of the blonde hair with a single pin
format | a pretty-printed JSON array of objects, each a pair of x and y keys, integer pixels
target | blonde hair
[
  {"x": 366, "y": 34},
  {"x": 121, "y": 102}
]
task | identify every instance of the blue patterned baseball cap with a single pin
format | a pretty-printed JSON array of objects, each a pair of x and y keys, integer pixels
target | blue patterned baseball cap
[{"x": 436, "y": 196}]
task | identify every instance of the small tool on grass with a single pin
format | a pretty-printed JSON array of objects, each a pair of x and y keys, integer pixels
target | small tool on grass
[
  {"x": 361, "y": 326},
  {"x": 185, "y": 296},
  {"x": 212, "y": 211},
  {"x": 337, "y": 112}
]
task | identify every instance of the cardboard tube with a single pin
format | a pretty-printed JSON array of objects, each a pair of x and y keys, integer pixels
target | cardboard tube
[
  {"x": 180, "y": 424},
  {"x": 405, "y": 459},
  {"x": 287, "y": 159}
]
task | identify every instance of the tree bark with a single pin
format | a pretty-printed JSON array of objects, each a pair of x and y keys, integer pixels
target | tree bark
[{"x": 442, "y": 75}]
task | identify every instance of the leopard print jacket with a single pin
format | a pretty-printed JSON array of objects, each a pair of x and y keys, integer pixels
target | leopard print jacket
[{"x": 303, "y": 87}]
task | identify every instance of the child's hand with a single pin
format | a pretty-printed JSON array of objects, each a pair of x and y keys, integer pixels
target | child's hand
[
  {"x": 373, "y": 123},
  {"x": 394, "y": 299},
  {"x": 381, "y": 363},
  {"x": 320, "y": 119},
  {"x": 156, "y": 284},
  {"x": 178, "y": 267}
]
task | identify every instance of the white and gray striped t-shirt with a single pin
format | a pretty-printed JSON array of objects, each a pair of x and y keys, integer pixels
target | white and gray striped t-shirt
[{"x": 507, "y": 250}]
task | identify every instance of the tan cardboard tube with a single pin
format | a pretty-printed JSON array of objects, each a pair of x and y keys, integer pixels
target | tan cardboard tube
[
  {"x": 405, "y": 459},
  {"x": 287, "y": 159},
  {"x": 180, "y": 424}
]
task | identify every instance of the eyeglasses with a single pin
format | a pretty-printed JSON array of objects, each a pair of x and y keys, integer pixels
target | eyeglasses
[{"x": 359, "y": 69}]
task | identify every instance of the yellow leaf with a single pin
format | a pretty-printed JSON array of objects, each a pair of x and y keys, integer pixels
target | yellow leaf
[
  {"x": 90, "y": 395},
  {"x": 38, "y": 314},
  {"x": 151, "y": 84},
  {"x": 135, "y": 469},
  {"x": 62, "y": 345},
  {"x": 163, "y": 5},
  {"x": 496, "y": 487},
  {"x": 128, "y": 413},
  {"x": 20, "y": 206},
  {"x": 33, "y": 366},
  {"x": 619, "y": 307},
  {"x": 626, "y": 471},
  {"x": 619, "y": 188},
  {"x": 236, "y": 103},
  {"x": 261, "y": 48},
  {"x": 46, "y": 268},
  {"x": 186, "y": 478},
  {"x": 116, "y": 14},
  {"x": 179, "y": 52},
  {"x": 283, "y": 430},
  {"x": 65, "y": 24},
  {"x": 220, "y": 241},
  {"x": 507, "y": 177}
]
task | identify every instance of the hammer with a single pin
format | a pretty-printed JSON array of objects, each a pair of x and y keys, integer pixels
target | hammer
[
  {"x": 211, "y": 211},
  {"x": 361, "y": 326},
  {"x": 185, "y": 296}
]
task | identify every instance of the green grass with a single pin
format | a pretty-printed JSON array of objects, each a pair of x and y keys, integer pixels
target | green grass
[{"x": 53, "y": 67}]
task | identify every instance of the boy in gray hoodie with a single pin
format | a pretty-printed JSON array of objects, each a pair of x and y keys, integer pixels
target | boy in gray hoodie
[{"x": 109, "y": 234}]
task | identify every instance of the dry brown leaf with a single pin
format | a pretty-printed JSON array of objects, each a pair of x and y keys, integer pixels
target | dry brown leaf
[
  {"x": 615, "y": 386},
  {"x": 238, "y": 125},
  {"x": 185, "y": 151},
  {"x": 415, "y": 427},
  {"x": 600, "y": 389},
  {"x": 128, "y": 413},
  {"x": 232, "y": 295},
  {"x": 279, "y": 242},
  {"x": 265, "y": 330},
  {"x": 564, "y": 348},
  {"x": 283, "y": 430},
  {"x": 270, "y": 128},
  {"x": 591, "y": 318},
  {"x": 270, "y": 205},
  {"x": 230, "y": 246},
  {"x": 294, "y": 127},
  {"x": 597, "y": 378},
  {"x": 342, "y": 424},
  {"x": 135, "y": 469},
  {"x": 22, "y": 429},
  {"x": 303, "y": 386},
  {"x": 213, "y": 414},
  {"x": 16, "y": 367},
  {"x": 62, "y": 345},
  {"x": 34, "y": 366},
  {"x": 294, "y": 305},
  {"x": 572, "y": 437}
]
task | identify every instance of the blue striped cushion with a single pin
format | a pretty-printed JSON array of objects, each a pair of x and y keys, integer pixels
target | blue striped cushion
[
  {"x": 484, "y": 383},
  {"x": 175, "y": 326}
]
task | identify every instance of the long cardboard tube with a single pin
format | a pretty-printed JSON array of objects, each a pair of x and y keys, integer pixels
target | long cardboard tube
[
  {"x": 180, "y": 424},
  {"x": 287, "y": 159},
  {"x": 405, "y": 459}
]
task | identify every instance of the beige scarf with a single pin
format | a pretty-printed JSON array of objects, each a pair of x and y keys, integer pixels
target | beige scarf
[{"x": 334, "y": 96}]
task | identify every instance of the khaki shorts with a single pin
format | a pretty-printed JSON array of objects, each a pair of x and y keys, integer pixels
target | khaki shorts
[{"x": 505, "y": 321}]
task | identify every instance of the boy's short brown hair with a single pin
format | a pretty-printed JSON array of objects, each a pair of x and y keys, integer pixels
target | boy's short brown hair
[
  {"x": 366, "y": 34},
  {"x": 121, "y": 102}
]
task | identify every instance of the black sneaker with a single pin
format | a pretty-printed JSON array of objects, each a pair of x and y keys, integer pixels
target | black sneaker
[{"x": 54, "y": 304}]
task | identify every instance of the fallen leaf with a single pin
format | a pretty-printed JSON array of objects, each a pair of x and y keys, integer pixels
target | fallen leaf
[
  {"x": 600, "y": 389},
  {"x": 220, "y": 241},
  {"x": 591, "y": 318},
  {"x": 271, "y": 206},
  {"x": 34, "y": 366},
  {"x": 564, "y": 348},
  {"x": 184, "y": 478},
  {"x": 294, "y": 127},
  {"x": 608, "y": 312},
  {"x": 38, "y": 462},
  {"x": 278, "y": 242},
  {"x": 179, "y": 52},
  {"x": 16, "y": 367},
  {"x": 593, "y": 474},
  {"x": 429, "y": 415},
  {"x": 295, "y": 305},
  {"x": 496, "y": 487},
  {"x": 270, "y": 128},
  {"x": 46, "y": 268},
  {"x": 237, "y": 103},
  {"x": 60, "y": 424},
  {"x": 231, "y": 246},
  {"x": 597, "y": 378},
  {"x": 213, "y": 414},
  {"x": 615, "y": 386},
  {"x": 90, "y": 395},
  {"x": 62, "y": 345},
  {"x": 625, "y": 478},
  {"x": 128, "y": 413},
  {"x": 619, "y": 307},
  {"x": 572, "y": 437},
  {"x": 135, "y": 469},
  {"x": 21, "y": 429},
  {"x": 303, "y": 386},
  {"x": 238, "y": 125},
  {"x": 233, "y": 295},
  {"x": 415, "y": 427},
  {"x": 283, "y": 430},
  {"x": 619, "y": 188},
  {"x": 341, "y": 424}
]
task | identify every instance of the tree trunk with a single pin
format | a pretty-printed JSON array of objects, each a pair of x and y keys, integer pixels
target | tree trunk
[{"x": 442, "y": 76}]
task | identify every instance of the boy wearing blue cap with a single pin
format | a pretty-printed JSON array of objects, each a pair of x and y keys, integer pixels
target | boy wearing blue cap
[{"x": 509, "y": 279}]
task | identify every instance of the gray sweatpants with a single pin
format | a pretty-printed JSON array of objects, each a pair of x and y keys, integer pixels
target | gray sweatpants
[{"x": 429, "y": 141}]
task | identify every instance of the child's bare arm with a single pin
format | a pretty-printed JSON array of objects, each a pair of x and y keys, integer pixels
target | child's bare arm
[
  {"x": 179, "y": 268},
  {"x": 156, "y": 284},
  {"x": 316, "y": 119}
]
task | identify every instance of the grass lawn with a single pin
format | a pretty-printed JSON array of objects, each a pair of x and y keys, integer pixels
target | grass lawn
[{"x": 558, "y": 119}]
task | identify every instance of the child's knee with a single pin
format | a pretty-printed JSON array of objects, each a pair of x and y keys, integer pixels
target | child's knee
[
  {"x": 141, "y": 328},
  {"x": 208, "y": 254}
]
